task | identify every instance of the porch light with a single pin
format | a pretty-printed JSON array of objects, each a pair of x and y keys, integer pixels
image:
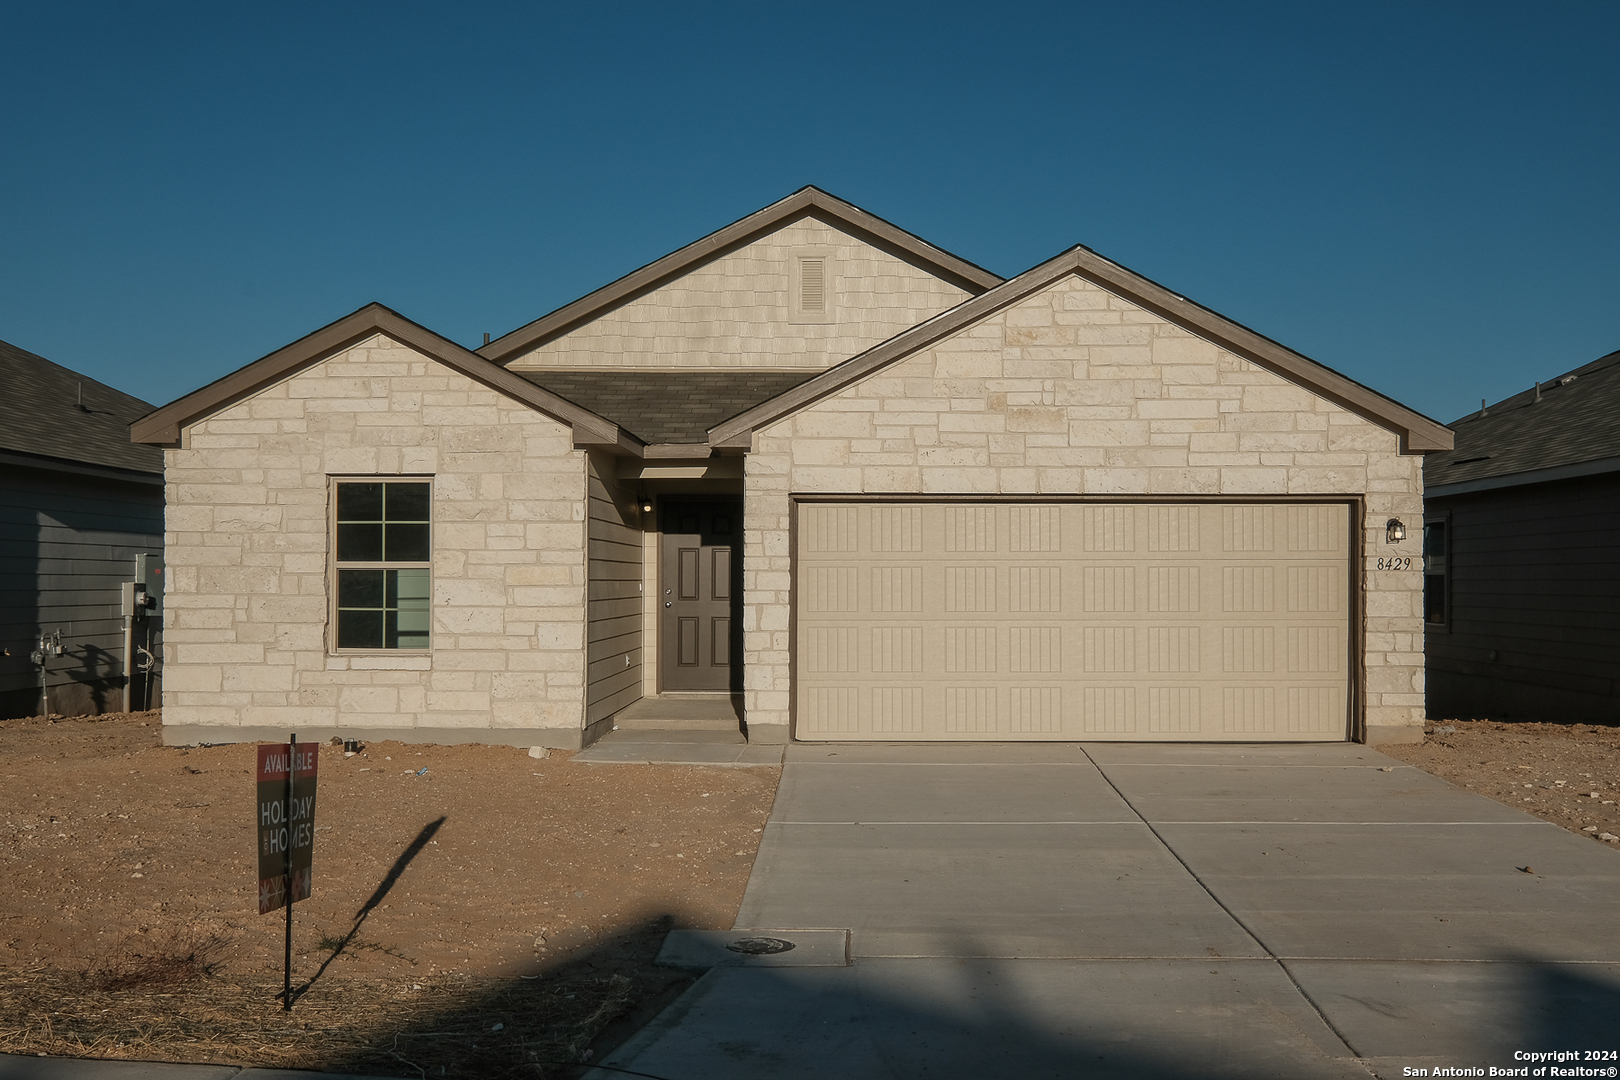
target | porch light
[
  {"x": 646, "y": 504},
  {"x": 1394, "y": 531}
]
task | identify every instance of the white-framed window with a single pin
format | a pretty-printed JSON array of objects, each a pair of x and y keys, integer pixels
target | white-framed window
[{"x": 382, "y": 550}]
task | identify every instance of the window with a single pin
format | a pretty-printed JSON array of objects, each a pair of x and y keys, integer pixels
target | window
[
  {"x": 1436, "y": 600},
  {"x": 383, "y": 546}
]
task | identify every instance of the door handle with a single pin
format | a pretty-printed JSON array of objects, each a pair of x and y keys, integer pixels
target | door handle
[{"x": 668, "y": 604}]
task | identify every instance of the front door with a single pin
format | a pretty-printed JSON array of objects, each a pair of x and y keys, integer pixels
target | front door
[{"x": 700, "y": 582}]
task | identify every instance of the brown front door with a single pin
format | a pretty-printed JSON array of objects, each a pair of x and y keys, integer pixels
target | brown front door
[{"x": 700, "y": 643}]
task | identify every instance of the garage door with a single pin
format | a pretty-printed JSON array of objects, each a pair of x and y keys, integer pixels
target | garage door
[{"x": 1019, "y": 621}]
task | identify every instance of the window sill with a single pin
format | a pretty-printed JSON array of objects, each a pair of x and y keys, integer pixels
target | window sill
[{"x": 416, "y": 660}]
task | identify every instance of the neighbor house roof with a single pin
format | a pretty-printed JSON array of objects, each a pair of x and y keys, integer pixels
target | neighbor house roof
[
  {"x": 1418, "y": 433},
  {"x": 50, "y": 412},
  {"x": 667, "y": 406},
  {"x": 1567, "y": 427},
  {"x": 162, "y": 427},
  {"x": 806, "y": 202}
]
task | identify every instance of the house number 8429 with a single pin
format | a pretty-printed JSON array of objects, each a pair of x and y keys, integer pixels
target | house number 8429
[{"x": 1395, "y": 563}]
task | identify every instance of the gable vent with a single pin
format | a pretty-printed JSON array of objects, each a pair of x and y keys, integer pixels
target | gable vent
[
  {"x": 813, "y": 286},
  {"x": 812, "y": 293}
]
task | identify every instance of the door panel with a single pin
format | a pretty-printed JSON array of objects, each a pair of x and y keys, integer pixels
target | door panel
[
  {"x": 701, "y": 585},
  {"x": 1171, "y": 622}
]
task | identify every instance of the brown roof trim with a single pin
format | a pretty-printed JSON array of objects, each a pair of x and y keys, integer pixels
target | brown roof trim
[
  {"x": 806, "y": 202},
  {"x": 1419, "y": 434},
  {"x": 163, "y": 426}
]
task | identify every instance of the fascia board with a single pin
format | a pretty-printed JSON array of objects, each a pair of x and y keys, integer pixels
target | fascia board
[
  {"x": 1419, "y": 433},
  {"x": 1596, "y": 467},
  {"x": 803, "y": 202},
  {"x": 20, "y": 460},
  {"x": 163, "y": 426}
]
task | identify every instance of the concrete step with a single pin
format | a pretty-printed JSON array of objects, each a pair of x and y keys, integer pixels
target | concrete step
[{"x": 712, "y": 712}]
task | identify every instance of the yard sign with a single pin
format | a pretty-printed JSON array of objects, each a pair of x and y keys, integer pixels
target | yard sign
[{"x": 283, "y": 822}]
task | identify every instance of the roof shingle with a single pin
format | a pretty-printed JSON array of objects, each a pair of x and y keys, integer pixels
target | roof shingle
[
  {"x": 1576, "y": 420},
  {"x": 667, "y": 406},
  {"x": 42, "y": 413}
]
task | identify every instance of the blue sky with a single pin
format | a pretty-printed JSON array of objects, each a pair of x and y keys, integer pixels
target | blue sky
[{"x": 1425, "y": 197}]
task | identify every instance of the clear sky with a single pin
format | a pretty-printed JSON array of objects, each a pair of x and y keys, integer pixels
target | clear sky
[{"x": 1423, "y": 196}]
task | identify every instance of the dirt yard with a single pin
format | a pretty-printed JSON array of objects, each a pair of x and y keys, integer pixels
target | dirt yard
[
  {"x": 476, "y": 912},
  {"x": 456, "y": 888},
  {"x": 1566, "y": 773}
]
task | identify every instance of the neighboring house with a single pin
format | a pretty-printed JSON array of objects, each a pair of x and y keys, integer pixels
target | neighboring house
[
  {"x": 1522, "y": 608},
  {"x": 79, "y": 503},
  {"x": 879, "y": 491}
]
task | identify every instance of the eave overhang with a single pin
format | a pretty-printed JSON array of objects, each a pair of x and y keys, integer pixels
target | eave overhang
[
  {"x": 163, "y": 427},
  {"x": 1418, "y": 433},
  {"x": 806, "y": 202}
]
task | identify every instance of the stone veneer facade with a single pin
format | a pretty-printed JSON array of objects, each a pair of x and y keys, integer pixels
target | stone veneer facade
[
  {"x": 1074, "y": 390},
  {"x": 247, "y": 541},
  {"x": 733, "y": 312}
]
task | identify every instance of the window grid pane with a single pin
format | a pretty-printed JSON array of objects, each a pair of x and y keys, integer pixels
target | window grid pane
[{"x": 381, "y": 607}]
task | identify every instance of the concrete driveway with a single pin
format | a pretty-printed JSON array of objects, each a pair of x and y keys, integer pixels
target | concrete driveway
[{"x": 1117, "y": 910}]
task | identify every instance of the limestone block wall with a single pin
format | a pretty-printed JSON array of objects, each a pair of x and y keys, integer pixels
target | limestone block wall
[
  {"x": 1076, "y": 390},
  {"x": 733, "y": 312},
  {"x": 249, "y": 638}
]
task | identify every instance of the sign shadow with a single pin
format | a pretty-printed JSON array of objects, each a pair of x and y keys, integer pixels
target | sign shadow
[{"x": 395, "y": 872}]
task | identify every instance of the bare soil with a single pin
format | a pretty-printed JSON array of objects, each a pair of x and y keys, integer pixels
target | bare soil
[
  {"x": 476, "y": 912},
  {"x": 456, "y": 888},
  {"x": 1566, "y": 773}
]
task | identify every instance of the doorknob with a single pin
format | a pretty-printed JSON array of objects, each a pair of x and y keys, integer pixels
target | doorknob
[{"x": 668, "y": 604}]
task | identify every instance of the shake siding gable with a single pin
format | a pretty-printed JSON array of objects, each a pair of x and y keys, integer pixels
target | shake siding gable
[
  {"x": 1074, "y": 390},
  {"x": 249, "y": 638},
  {"x": 737, "y": 310}
]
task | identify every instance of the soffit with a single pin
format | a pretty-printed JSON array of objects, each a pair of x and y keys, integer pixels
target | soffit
[
  {"x": 806, "y": 202},
  {"x": 1419, "y": 433},
  {"x": 163, "y": 426}
]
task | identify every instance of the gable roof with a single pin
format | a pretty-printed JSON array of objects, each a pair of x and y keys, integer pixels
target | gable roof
[
  {"x": 665, "y": 407},
  {"x": 806, "y": 202},
  {"x": 48, "y": 411},
  {"x": 162, "y": 427},
  {"x": 1567, "y": 427},
  {"x": 1418, "y": 433}
]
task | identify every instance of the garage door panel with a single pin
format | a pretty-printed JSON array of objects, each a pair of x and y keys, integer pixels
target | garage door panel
[{"x": 981, "y": 621}]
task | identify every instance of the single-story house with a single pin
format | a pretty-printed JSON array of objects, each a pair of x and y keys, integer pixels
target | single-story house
[
  {"x": 1522, "y": 555},
  {"x": 81, "y": 514},
  {"x": 877, "y": 491}
]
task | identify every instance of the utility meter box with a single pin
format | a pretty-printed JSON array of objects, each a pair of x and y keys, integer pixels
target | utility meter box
[{"x": 149, "y": 571}]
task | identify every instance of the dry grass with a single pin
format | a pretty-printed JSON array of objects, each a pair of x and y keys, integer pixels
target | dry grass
[{"x": 169, "y": 1009}]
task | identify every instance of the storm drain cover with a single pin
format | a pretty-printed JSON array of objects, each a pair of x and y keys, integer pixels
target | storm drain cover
[{"x": 760, "y": 946}]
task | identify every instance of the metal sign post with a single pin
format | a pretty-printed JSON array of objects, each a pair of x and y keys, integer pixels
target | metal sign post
[{"x": 286, "y": 812}]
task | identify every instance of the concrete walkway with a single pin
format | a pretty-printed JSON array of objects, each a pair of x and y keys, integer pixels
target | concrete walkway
[{"x": 1118, "y": 910}]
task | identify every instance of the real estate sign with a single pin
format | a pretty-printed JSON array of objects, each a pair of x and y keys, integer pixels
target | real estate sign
[{"x": 285, "y": 823}]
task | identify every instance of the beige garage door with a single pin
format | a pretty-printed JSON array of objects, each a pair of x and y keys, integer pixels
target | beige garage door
[{"x": 1008, "y": 621}]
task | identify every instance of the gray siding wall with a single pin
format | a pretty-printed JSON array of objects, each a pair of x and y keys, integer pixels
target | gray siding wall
[
  {"x": 67, "y": 544},
  {"x": 613, "y": 603},
  {"x": 1534, "y": 628}
]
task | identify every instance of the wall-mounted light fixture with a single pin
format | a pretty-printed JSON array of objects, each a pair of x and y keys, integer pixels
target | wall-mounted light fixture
[
  {"x": 646, "y": 504},
  {"x": 1394, "y": 531}
]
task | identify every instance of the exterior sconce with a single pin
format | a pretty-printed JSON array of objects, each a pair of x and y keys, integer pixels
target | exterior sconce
[
  {"x": 1394, "y": 531},
  {"x": 646, "y": 504}
]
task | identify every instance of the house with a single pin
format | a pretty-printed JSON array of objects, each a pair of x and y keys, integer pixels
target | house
[
  {"x": 1522, "y": 555},
  {"x": 876, "y": 490},
  {"x": 81, "y": 513}
]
